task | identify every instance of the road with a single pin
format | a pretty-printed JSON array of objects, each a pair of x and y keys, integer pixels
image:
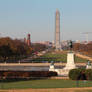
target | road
[{"x": 33, "y": 66}]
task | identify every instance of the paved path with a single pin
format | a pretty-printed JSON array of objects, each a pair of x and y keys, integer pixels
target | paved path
[
  {"x": 36, "y": 64},
  {"x": 83, "y": 56},
  {"x": 88, "y": 89}
]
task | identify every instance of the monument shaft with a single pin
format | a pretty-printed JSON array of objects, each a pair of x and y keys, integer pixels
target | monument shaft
[{"x": 57, "y": 31}]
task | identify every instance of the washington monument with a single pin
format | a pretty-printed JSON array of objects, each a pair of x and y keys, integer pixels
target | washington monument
[{"x": 57, "y": 30}]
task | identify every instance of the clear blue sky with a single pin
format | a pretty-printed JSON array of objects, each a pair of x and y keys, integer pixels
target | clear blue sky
[{"x": 37, "y": 17}]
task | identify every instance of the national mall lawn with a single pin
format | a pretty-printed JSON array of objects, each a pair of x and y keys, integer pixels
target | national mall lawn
[
  {"x": 48, "y": 83},
  {"x": 45, "y": 83},
  {"x": 58, "y": 57}
]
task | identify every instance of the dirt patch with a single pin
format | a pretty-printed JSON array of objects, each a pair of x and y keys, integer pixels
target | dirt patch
[{"x": 89, "y": 89}]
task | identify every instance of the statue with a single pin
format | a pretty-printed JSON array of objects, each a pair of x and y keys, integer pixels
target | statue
[
  {"x": 89, "y": 65},
  {"x": 52, "y": 62},
  {"x": 52, "y": 68},
  {"x": 70, "y": 45}
]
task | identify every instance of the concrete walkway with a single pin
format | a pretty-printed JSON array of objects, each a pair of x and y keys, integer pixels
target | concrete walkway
[
  {"x": 83, "y": 56},
  {"x": 37, "y": 64},
  {"x": 84, "y": 89}
]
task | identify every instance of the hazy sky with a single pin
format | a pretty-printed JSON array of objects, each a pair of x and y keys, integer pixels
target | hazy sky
[{"x": 37, "y": 17}]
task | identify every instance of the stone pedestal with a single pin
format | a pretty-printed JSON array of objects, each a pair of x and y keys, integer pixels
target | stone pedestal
[
  {"x": 88, "y": 66},
  {"x": 70, "y": 61},
  {"x": 52, "y": 68}
]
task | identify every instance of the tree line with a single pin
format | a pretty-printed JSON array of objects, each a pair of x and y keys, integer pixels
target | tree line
[
  {"x": 15, "y": 48},
  {"x": 84, "y": 48}
]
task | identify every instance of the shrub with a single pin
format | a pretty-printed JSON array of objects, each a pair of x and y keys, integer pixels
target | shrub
[
  {"x": 51, "y": 73},
  {"x": 78, "y": 74},
  {"x": 73, "y": 74},
  {"x": 88, "y": 73}
]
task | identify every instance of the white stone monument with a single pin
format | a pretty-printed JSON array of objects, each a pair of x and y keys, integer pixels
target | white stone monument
[
  {"x": 70, "y": 61},
  {"x": 70, "y": 65}
]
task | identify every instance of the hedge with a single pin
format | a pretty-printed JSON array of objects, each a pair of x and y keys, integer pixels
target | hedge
[
  {"x": 26, "y": 74},
  {"x": 88, "y": 73},
  {"x": 80, "y": 74}
]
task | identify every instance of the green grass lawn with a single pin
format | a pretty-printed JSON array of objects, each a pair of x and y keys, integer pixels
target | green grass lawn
[
  {"x": 57, "y": 57},
  {"x": 47, "y": 83}
]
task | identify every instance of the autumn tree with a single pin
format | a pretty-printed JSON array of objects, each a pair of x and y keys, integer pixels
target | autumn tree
[{"x": 5, "y": 51}]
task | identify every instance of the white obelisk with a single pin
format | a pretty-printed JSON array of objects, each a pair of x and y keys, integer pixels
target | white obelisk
[{"x": 57, "y": 30}]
